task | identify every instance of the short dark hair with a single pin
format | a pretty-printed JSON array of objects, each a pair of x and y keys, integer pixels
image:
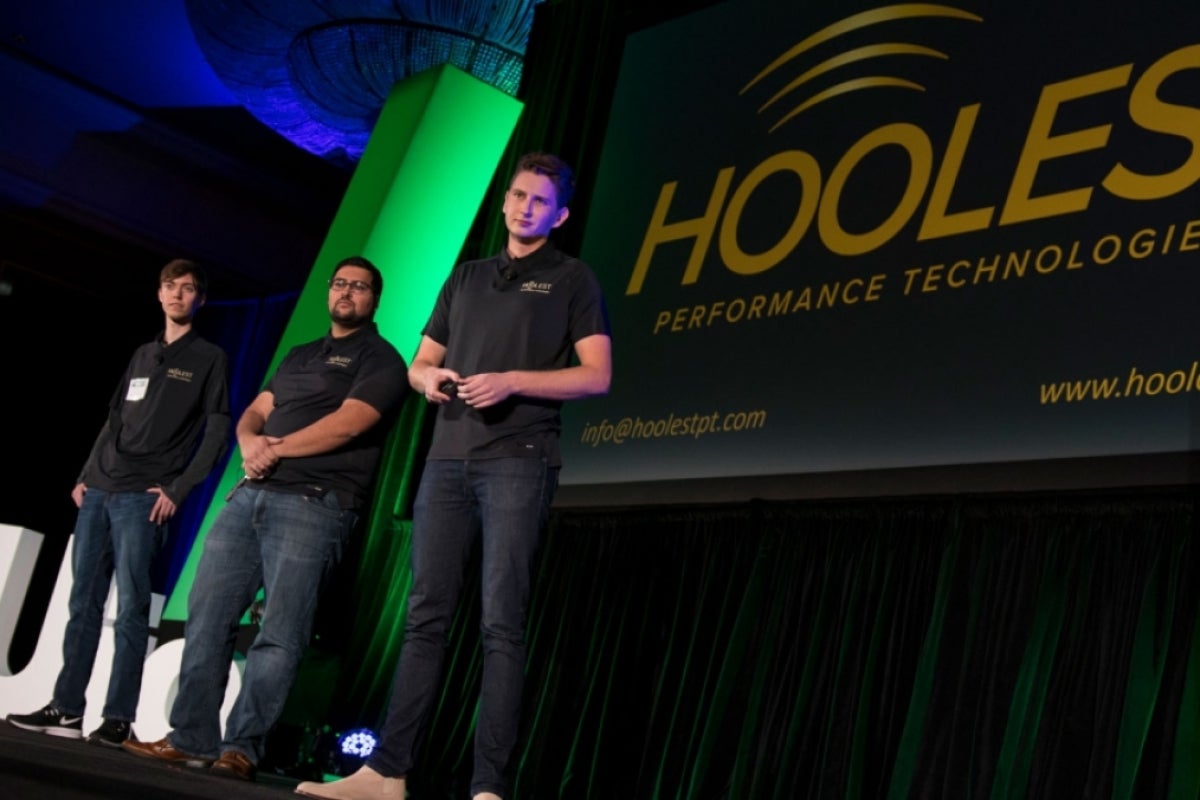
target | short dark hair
[
  {"x": 554, "y": 168},
  {"x": 178, "y": 267},
  {"x": 364, "y": 263}
]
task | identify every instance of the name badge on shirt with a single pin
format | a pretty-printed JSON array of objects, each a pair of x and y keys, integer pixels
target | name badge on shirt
[{"x": 137, "y": 389}]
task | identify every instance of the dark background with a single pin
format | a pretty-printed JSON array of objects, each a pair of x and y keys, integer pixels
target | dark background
[{"x": 945, "y": 646}]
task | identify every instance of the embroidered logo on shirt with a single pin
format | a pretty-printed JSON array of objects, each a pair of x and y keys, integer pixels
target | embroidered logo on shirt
[
  {"x": 339, "y": 361},
  {"x": 177, "y": 374},
  {"x": 541, "y": 287}
]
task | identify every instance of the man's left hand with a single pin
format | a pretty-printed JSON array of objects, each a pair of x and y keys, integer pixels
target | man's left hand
[
  {"x": 164, "y": 507},
  {"x": 485, "y": 389}
]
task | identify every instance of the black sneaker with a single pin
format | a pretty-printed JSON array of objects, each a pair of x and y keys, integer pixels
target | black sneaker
[
  {"x": 111, "y": 733},
  {"x": 49, "y": 720}
]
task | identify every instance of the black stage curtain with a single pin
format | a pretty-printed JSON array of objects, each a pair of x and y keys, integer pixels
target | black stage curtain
[{"x": 945, "y": 647}]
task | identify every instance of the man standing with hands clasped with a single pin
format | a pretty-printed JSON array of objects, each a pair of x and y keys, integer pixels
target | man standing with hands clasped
[
  {"x": 496, "y": 357},
  {"x": 166, "y": 429},
  {"x": 310, "y": 443}
]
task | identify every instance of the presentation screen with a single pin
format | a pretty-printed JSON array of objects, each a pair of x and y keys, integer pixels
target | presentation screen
[{"x": 848, "y": 241}]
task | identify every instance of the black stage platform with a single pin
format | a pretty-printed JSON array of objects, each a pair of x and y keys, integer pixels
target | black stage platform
[{"x": 34, "y": 766}]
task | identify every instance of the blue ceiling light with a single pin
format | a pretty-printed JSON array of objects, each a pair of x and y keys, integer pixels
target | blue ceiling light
[{"x": 318, "y": 72}]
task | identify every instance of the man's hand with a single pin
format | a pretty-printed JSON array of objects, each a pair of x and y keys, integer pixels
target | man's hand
[
  {"x": 427, "y": 375},
  {"x": 485, "y": 389},
  {"x": 164, "y": 507},
  {"x": 435, "y": 379},
  {"x": 258, "y": 459},
  {"x": 77, "y": 494}
]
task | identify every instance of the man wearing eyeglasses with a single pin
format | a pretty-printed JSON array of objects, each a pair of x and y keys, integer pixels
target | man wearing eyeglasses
[
  {"x": 310, "y": 443},
  {"x": 510, "y": 339},
  {"x": 166, "y": 429}
]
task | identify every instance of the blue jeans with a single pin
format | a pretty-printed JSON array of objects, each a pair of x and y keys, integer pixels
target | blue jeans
[
  {"x": 288, "y": 544},
  {"x": 507, "y": 502},
  {"x": 113, "y": 533}
]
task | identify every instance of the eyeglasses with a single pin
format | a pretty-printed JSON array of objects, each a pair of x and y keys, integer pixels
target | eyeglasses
[{"x": 357, "y": 287}]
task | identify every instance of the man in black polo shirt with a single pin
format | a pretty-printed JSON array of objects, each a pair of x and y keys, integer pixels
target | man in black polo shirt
[
  {"x": 166, "y": 429},
  {"x": 510, "y": 338},
  {"x": 310, "y": 443}
]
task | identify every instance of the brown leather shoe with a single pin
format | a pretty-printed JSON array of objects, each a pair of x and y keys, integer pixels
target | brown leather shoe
[
  {"x": 234, "y": 764},
  {"x": 163, "y": 751}
]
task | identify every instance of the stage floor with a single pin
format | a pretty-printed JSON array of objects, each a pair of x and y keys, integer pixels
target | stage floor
[{"x": 34, "y": 766}]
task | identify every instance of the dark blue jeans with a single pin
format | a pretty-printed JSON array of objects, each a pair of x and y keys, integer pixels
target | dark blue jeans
[
  {"x": 288, "y": 544},
  {"x": 507, "y": 502},
  {"x": 113, "y": 534}
]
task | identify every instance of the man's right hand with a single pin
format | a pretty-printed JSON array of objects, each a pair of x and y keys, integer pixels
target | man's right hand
[
  {"x": 77, "y": 494},
  {"x": 441, "y": 385}
]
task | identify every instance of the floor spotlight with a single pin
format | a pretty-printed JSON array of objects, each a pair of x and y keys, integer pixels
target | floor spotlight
[{"x": 354, "y": 747}]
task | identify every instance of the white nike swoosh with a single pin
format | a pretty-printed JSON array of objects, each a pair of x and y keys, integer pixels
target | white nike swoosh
[{"x": 70, "y": 720}]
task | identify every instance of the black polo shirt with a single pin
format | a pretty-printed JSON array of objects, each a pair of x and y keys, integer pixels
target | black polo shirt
[
  {"x": 503, "y": 313},
  {"x": 312, "y": 381}
]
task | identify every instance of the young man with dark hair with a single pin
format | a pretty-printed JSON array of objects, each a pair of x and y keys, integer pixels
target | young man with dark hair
[
  {"x": 166, "y": 429},
  {"x": 496, "y": 357},
  {"x": 310, "y": 443}
]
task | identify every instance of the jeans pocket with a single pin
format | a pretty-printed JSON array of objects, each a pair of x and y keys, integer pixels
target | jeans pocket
[{"x": 326, "y": 506}]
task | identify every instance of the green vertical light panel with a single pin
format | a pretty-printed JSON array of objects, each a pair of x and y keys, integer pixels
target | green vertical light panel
[{"x": 409, "y": 207}]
